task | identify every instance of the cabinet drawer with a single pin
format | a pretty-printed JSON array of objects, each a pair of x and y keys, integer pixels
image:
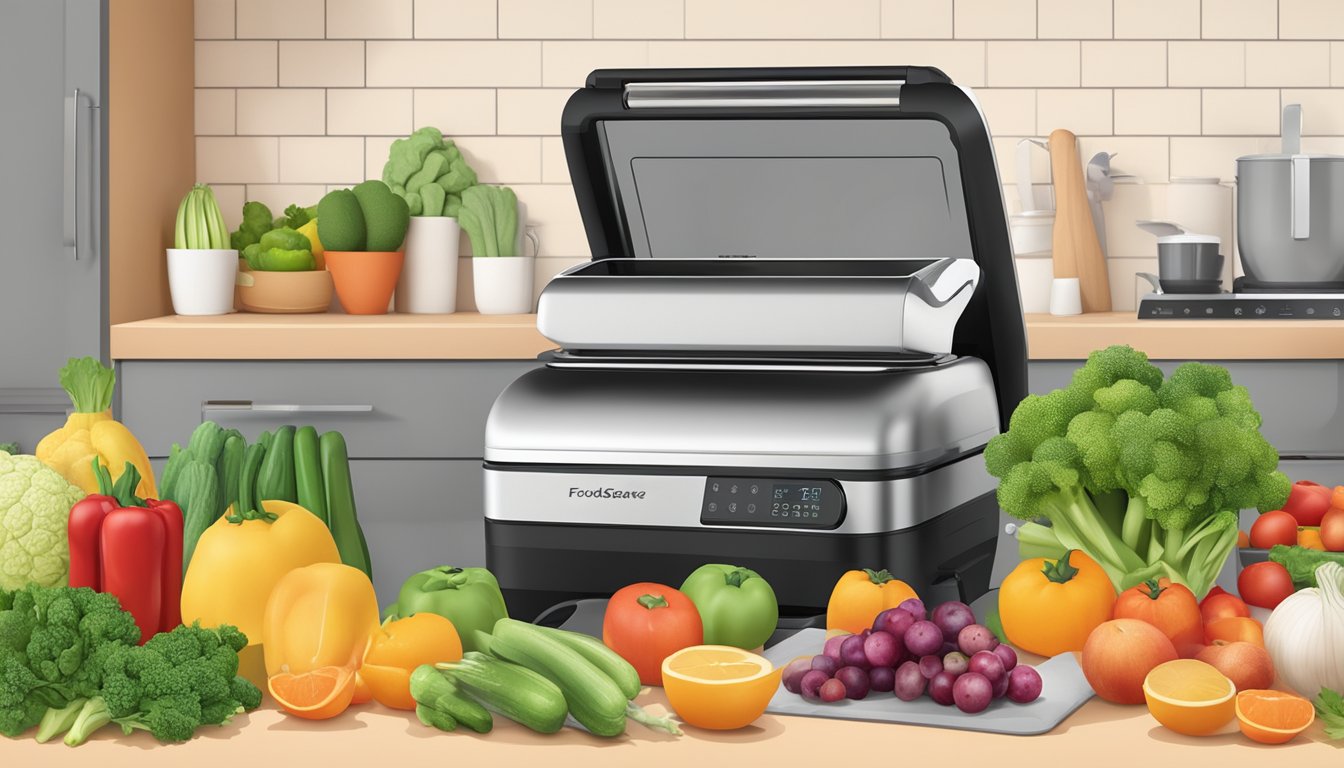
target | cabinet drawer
[
  {"x": 417, "y": 515},
  {"x": 386, "y": 409}
]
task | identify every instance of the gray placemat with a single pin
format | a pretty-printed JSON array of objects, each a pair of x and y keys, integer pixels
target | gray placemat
[{"x": 1064, "y": 689}]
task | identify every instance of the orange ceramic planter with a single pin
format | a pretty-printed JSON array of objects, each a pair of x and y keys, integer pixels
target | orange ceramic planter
[{"x": 365, "y": 280}]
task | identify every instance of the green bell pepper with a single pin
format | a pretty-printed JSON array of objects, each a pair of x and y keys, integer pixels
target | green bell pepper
[
  {"x": 737, "y": 606},
  {"x": 468, "y": 597}
]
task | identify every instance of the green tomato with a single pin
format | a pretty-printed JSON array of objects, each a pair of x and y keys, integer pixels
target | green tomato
[{"x": 737, "y": 606}]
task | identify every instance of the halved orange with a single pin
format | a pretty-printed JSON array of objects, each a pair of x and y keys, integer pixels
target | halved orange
[
  {"x": 1190, "y": 697},
  {"x": 1273, "y": 717},
  {"x": 398, "y": 647},
  {"x": 320, "y": 694},
  {"x": 718, "y": 686}
]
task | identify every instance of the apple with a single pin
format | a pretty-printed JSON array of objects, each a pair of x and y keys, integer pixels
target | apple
[
  {"x": 1247, "y": 665},
  {"x": 1119, "y": 654}
]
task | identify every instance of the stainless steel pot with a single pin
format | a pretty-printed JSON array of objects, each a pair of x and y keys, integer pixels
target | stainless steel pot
[{"x": 1288, "y": 229}]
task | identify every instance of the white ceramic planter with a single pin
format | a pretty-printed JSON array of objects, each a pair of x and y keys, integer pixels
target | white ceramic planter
[
  {"x": 201, "y": 280},
  {"x": 428, "y": 283},
  {"x": 503, "y": 284}
]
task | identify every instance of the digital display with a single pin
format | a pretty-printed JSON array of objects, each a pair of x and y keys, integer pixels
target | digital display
[{"x": 772, "y": 502}]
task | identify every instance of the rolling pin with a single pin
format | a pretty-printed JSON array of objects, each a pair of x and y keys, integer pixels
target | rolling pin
[{"x": 1077, "y": 252}]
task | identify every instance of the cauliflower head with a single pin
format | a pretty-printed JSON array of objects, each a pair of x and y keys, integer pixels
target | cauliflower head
[{"x": 35, "y": 502}]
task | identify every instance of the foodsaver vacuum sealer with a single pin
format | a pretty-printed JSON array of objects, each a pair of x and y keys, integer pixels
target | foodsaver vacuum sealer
[{"x": 799, "y": 329}]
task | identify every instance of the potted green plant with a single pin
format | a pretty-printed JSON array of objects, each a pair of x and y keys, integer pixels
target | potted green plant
[
  {"x": 201, "y": 265},
  {"x": 362, "y": 231},
  {"x": 281, "y": 268},
  {"x": 429, "y": 173},
  {"x": 502, "y": 276}
]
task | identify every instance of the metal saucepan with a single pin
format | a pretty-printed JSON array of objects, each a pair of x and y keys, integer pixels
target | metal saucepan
[{"x": 1187, "y": 262}]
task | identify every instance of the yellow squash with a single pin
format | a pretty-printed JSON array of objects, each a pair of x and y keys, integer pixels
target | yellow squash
[
  {"x": 91, "y": 431},
  {"x": 318, "y": 616}
]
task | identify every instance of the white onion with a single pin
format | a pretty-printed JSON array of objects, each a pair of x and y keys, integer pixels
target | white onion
[{"x": 1305, "y": 634}]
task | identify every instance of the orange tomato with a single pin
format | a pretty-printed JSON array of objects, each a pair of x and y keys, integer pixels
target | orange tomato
[
  {"x": 1337, "y": 497},
  {"x": 1234, "y": 629},
  {"x": 1170, "y": 607},
  {"x": 647, "y": 622},
  {"x": 398, "y": 647},
  {"x": 1332, "y": 530},
  {"x": 1222, "y": 606},
  {"x": 860, "y": 595},
  {"x": 1310, "y": 538}
]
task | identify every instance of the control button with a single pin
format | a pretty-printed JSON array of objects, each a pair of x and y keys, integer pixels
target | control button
[
  {"x": 1208, "y": 310},
  {"x": 1335, "y": 312},
  {"x": 751, "y": 509},
  {"x": 732, "y": 489},
  {"x": 755, "y": 489},
  {"x": 1236, "y": 311},
  {"x": 1260, "y": 310},
  {"x": 713, "y": 507},
  {"x": 732, "y": 507},
  {"x": 1311, "y": 310},
  {"x": 714, "y": 487},
  {"x": 1186, "y": 310}
]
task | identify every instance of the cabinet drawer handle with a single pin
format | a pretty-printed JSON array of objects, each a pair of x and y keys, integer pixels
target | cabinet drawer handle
[{"x": 240, "y": 407}]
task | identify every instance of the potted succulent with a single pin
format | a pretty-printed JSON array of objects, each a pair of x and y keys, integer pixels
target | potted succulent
[
  {"x": 281, "y": 270},
  {"x": 362, "y": 230},
  {"x": 429, "y": 173},
  {"x": 502, "y": 276},
  {"x": 201, "y": 265}
]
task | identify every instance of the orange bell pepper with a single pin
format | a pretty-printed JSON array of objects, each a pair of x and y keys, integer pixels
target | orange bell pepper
[
  {"x": 860, "y": 595},
  {"x": 318, "y": 616}
]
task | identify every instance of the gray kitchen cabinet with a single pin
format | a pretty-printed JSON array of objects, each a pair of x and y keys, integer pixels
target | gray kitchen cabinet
[
  {"x": 415, "y": 429},
  {"x": 52, "y": 209}
]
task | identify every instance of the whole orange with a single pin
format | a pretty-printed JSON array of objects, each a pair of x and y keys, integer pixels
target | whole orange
[
  {"x": 1247, "y": 665},
  {"x": 398, "y": 647},
  {"x": 1119, "y": 654}
]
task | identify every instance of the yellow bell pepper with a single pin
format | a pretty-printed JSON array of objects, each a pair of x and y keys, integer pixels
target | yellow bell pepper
[
  {"x": 317, "y": 616},
  {"x": 91, "y": 431},
  {"x": 309, "y": 231}
]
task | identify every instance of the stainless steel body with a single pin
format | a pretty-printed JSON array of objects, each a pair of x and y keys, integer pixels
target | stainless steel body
[
  {"x": 1288, "y": 227},
  {"x": 757, "y": 305},
  {"x": 827, "y": 422}
]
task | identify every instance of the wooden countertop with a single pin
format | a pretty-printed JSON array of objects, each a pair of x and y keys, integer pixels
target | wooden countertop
[
  {"x": 471, "y": 336},
  {"x": 246, "y": 336},
  {"x": 1099, "y": 734}
]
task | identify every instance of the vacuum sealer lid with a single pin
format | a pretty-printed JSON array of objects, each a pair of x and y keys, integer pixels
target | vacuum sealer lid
[{"x": 801, "y": 163}]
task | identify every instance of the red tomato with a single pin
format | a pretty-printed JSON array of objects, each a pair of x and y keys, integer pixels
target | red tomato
[
  {"x": 1277, "y": 527},
  {"x": 646, "y": 623},
  {"x": 1308, "y": 502},
  {"x": 1170, "y": 607},
  {"x": 1264, "y": 584},
  {"x": 1332, "y": 530},
  {"x": 1222, "y": 606}
]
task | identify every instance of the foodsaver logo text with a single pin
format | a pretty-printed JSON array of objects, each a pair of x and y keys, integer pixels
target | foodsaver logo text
[{"x": 604, "y": 493}]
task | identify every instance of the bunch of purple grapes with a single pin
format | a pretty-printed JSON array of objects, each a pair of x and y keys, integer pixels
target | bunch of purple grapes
[{"x": 947, "y": 655}]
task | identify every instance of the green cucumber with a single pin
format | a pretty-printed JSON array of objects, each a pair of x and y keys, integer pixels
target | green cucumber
[
  {"x": 199, "y": 487},
  {"x": 177, "y": 458},
  {"x": 308, "y": 473},
  {"x": 206, "y": 442},
  {"x": 593, "y": 698},
  {"x": 247, "y": 484},
  {"x": 431, "y": 688},
  {"x": 343, "y": 521},
  {"x": 228, "y": 469},
  {"x": 434, "y": 718},
  {"x": 276, "y": 480},
  {"x": 513, "y": 691},
  {"x": 599, "y": 655}
]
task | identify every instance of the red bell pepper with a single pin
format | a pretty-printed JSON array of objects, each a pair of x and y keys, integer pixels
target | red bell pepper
[{"x": 129, "y": 547}]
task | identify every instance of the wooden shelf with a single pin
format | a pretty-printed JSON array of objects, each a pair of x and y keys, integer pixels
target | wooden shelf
[{"x": 1072, "y": 338}]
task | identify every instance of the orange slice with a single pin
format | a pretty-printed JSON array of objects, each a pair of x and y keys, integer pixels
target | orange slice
[
  {"x": 398, "y": 647},
  {"x": 1190, "y": 697},
  {"x": 1273, "y": 717},
  {"x": 719, "y": 687},
  {"x": 318, "y": 695}
]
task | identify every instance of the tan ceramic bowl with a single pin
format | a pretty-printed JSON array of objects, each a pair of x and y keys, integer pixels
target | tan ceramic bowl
[{"x": 284, "y": 293}]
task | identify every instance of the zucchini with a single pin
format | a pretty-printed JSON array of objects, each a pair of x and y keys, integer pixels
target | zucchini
[
  {"x": 434, "y": 718},
  {"x": 340, "y": 491},
  {"x": 229, "y": 468},
  {"x": 199, "y": 487},
  {"x": 432, "y": 690},
  {"x": 593, "y": 698},
  {"x": 247, "y": 478},
  {"x": 599, "y": 655},
  {"x": 206, "y": 442},
  {"x": 276, "y": 480},
  {"x": 515, "y": 692},
  {"x": 308, "y": 474},
  {"x": 168, "y": 480}
]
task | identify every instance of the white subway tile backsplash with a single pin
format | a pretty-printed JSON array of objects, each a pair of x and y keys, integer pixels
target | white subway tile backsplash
[
  {"x": 989, "y": 19},
  {"x": 962, "y": 60},
  {"x": 531, "y": 111},
  {"x": 369, "y": 111},
  {"x": 1156, "y": 111},
  {"x": 1009, "y": 111},
  {"x": 365, "y": 20},
  {"x": 781, "y": 19},
  {"x": 1124, "y": 64},
  {"x": 1043, "y": 64},
  {"x": 1241, "y": 112},
  {"x": 1081, "y": 110},
  {"x": 269, "y": 19},
  {"x": 566, "y": 64},
  {"x": 235, "y": 63},
  {"x": 281, "y": 112},
  {"x": 237, "y": 160},
  {"x": 1211, "y": 64},
  {"x": 545, "y": 19},
  {"x": 1240, "y": 19},
  {"x": 554, "y": 213},
  {"x": 375, "y": 154},
  {"x": 554, "y": 167},
  {"x": 1157, "y": 19},
  {"x": 1322, "y": 111},
  {"x": 278, "y": 197},
  {"x": 1074, "y": 19},
  {"x": 452, "y": 64},
  {"x": 215, "y": 111},
  {"x": 916, "y": 19},
  {"x": 456, "y": 111},
  {"x": 321, "y": 160},
  {"x": 214, "y": 19},
  {"x": 455, "y": 19},
  {"x": 1215, "y": 155},
  {"x": 504, "y": 159},
  {"x": 1311, "y": 19},
  {"x": 638, "y": 19},
  {"x": 1287, "y": 64},
  {"x": 322, "y": 63},
  {"x": 230, "y": 198}
]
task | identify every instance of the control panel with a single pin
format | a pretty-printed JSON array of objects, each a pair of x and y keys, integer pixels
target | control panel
[
  {"x": 1240, "y": 307},
  {"x": 772, "y": 502}
]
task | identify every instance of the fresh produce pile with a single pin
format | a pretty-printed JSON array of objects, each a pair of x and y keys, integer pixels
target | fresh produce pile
[
  {"x": 1145, "y": 474},
  {"x": 71, "y": 665},
  {"x": 200, "y": 225},
  {"x": 910, "y": 652},
  {"x": 284, "y": 244},
  {"x": 35, "y": 502}
]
